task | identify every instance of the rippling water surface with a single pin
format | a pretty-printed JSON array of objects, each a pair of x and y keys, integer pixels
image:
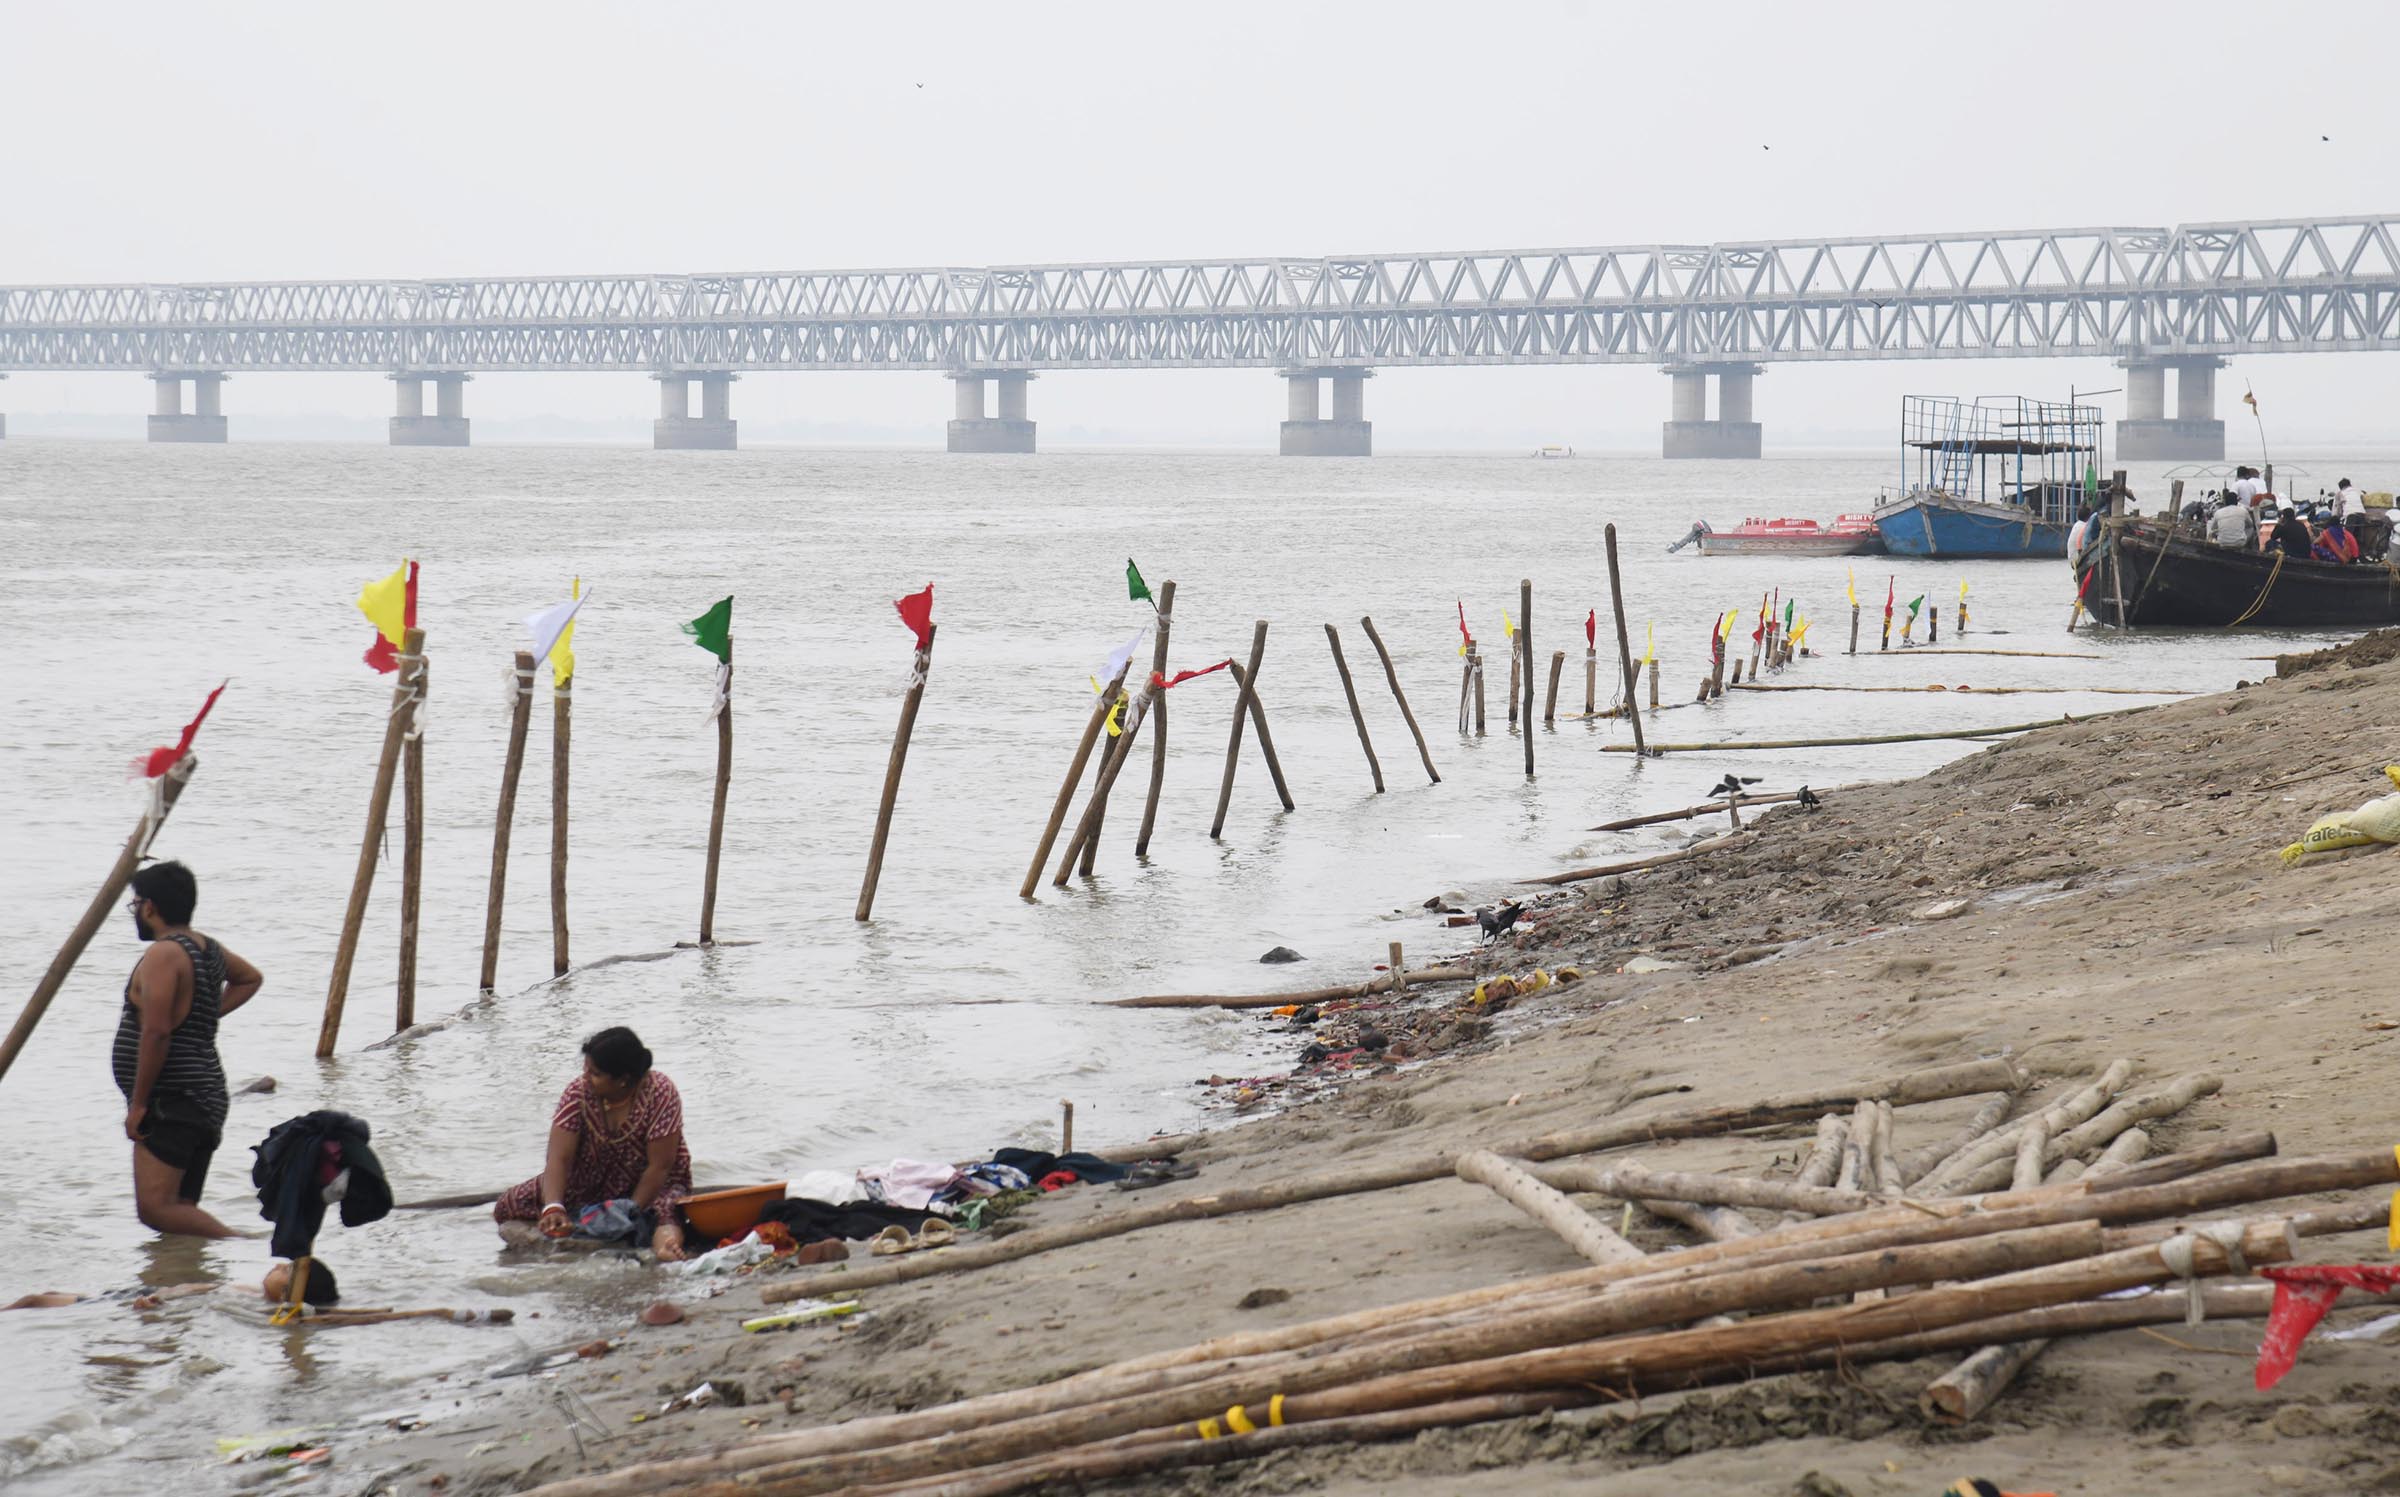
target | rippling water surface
[{"x": 133, "y": 578}]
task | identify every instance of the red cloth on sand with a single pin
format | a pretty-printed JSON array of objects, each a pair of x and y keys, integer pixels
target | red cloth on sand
[{"x": 2304, "y": 1294}]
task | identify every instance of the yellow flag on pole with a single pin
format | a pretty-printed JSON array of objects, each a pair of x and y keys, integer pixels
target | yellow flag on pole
[{"x": 1853, "y": 586}]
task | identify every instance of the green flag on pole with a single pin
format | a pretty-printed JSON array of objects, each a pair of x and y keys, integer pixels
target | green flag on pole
[
  {"x": 1136, "y": 590},
  {"x": 1914, "y": 604},
  {"x": 713, "y": 630}
]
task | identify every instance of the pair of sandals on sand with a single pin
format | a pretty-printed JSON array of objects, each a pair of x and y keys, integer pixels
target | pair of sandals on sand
[{"x": 894, "y": 1239}]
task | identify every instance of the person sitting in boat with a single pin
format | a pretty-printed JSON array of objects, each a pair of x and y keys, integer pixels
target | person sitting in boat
[
  {"x": 2291, "y": 535},
  {"x": 616, "y": 1136},
  {"x": 2335, "y": 543},
  {"x": 2233, "y": 526}
]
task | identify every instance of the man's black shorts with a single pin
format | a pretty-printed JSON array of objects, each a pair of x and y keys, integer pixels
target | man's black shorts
[{"x": 178, "y": 1134}]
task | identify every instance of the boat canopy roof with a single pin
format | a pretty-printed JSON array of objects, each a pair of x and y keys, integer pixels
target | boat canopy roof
[{"x": 1999, "y": 446}]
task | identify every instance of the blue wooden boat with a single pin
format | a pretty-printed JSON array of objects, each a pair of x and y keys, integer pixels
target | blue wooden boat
[{"x": 1997, "y": 477}]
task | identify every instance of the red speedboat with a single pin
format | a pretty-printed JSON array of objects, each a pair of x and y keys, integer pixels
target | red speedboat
[{"x": 1848, "y": 535}]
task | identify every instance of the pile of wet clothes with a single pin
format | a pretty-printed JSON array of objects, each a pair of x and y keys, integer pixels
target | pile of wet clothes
[{"x": 827, "y": 1204}]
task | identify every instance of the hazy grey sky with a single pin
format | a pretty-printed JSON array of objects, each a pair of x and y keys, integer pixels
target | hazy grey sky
[{"x": 254, "y": 141}]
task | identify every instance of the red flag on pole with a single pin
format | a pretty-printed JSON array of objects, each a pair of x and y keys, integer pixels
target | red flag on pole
[
  {"x": 159, "y": 760},
  {"x": 1591, "y": 629},
  {"x": 1891, "y": 590},
  {"x": 916, "y": 611},
  {"x": 1160, "y": 683}
]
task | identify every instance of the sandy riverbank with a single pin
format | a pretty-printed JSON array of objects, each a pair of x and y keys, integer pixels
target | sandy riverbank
[{"x": 2109, "y": 889}]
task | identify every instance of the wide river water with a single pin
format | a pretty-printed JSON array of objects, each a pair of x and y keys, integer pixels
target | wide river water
[{"x": 134, "y": 578}]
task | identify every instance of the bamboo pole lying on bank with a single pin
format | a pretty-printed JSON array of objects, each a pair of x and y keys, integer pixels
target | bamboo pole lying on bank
[
  {"x": 1333, "y": 994},
  {"x": 520, "y": 718},
  {"x": 1165, "y": 605},
  {"x": 1634, "y": 865},
  {"x": 891, "y": 774},
  {"x": 1888, "y": 1227},
  {"x": 1688, "y": 812},
  {"x": 362, "y": 882},
  {"x": 1523, "y": 1189},
  {"x": 1981, "y": 691},
  {"x": 1698, "y": 1122},
  {"x": 169, "y": 790},
  {"x": 1915, "y": 1164},
  {"x": 2059, "y": 1115},
  {"x": 1735, "y": 744},
  {"x": 1393, "y": 677}
]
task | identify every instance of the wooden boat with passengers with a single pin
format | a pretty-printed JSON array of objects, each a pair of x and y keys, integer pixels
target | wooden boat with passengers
[{"x": 2147, "y": 570}]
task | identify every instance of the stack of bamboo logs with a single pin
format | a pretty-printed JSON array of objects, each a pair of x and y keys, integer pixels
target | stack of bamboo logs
[{"x": 2005, "y": 1270}]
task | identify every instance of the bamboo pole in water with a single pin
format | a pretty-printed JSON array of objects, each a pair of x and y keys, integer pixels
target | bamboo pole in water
[
  {"x": 520, "y": 717},
  {"x": 1558, "y": 663},
  {"x": 1616, "y": 599},
  {"x": 169, "y": 790},
  {"x": 1401, "y": 697},
  {"x": 716, "y": 805},
  {"x": 562, "y": 707},
  {"x": 1266, "y": 739},
  {"x": 1066, "y": 789},
  {"x": 1158, "y": 724},
  {"x": 1525, "y": 654},
  {"x": 1854, "y": 628},
  {"x": 362, "y": 882},
  {"x": 1516, "y": 671},
  {"x": 891, "y": 773},
  {"x": 1358, "y": 719},
  {"x": 1112, "y": 763},
  {"x": 1654, "y": 685},
  {"x": 412, "y": 850},
  {"x": 1591, "y": 679}
]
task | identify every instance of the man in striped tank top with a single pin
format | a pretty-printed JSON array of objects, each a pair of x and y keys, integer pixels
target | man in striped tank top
[{"x": 165, "y": 1057}]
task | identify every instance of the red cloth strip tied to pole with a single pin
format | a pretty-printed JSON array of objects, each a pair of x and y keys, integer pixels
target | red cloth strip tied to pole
[
  {"x": 2304, "y": 1293},
  {"x": 159, "y": 760},
  {"x": 916, "y": 611},
  {"x": 1159, "y": 683},
  {"x": 1591, "y": 629}
]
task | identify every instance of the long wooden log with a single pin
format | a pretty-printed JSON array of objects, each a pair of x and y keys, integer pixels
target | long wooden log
[
  {"x": 1732, "y": 745},
  {"x": 2026, "y": 1170},
  {"x": 1887, "y": 1162},
  {"x": 2164, "y": 1102},
  {"x": 1980, "y": 691},
  {"x": 1277, "y": 1000},
  {"x": 1823, "y": 1161},
  {"x": 1574, "y": 1226},
  {"x": 1635, "y": 865},
  {"x": 1697, "y": 1122},
  {"x": 1393, "y": 677},
  {"x": 1885, "y": 1228},
  {"x": 1630, "y": 1182},
  {"x": 1921, "y": 652},
  {"x": 1476, "y": 1351},
  {"x": 1712, "y": 808},
  {"x": 1713, "y": 1223}
]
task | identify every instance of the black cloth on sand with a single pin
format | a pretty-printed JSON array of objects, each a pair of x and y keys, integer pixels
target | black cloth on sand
[
  {"x": 1091, "y": 1169},
  {"x": 820, "y": 1221},
  {"x": 292, "y": 1176}
]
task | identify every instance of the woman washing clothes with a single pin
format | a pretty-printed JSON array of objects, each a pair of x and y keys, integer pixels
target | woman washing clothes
[{"x": 615, "y": 1140}]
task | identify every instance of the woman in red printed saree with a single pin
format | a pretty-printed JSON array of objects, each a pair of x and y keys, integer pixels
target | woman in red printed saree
[{"x": 617, "y": 1136}]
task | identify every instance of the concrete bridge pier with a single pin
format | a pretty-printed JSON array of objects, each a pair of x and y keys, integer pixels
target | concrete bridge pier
[
  {"x": 2193, "y": 434},
  {"x": 206, "y": 423},
  {"x": 447, "y": 427},
  {"x": 973, "y": 431},
  {"x": 1689, "y": 433},
  {"x": 677, "y": 429},
  {"x": 1347, "y": 433}
]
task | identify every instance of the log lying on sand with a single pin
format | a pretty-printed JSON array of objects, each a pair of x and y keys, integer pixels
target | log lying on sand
[
  {"x": 1631, "y": 865},
  {"x": 1731, "y": 745},
  {"x": 2157, "y": 1190},
  {"x": 1984, "y": 691},
  {"x": 1576, "y": 1227},
  {"x": 1917, "y": 1163},
  {"x": 1372, "y": 985},
  {"x": 1628, "y": 1182},
  {"x": 2085, "y": 1137},
  {"x": 2001, "y": 1142},
  {"x": 1691, "y": 1122},
  {"x": 1713, "y": 808}
]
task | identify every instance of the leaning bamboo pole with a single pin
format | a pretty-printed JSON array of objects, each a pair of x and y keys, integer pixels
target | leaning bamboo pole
[
  {"x": 520, "y": 718},
  {"x": 1066, "y": 789},
  {"x": 1392, "y": 676},
  {"x": 1616, "y": 603},
  {"x": 1112, "y": 764},
  {"x": 1165, "y": 605},
  {"x": 1358, "y": 719},
  {"x": 169, "y": 789},
  {"x": 412, "y": 846},
  {"x": 891, "y": 774},
  {"x": 362, "y": 882},
  {"x": 1558, "y": 663},
  {"x": 1700, "y": 1122},
  {"x": 1266, "y": 738},
  {"x": 1241, "y": 717}
]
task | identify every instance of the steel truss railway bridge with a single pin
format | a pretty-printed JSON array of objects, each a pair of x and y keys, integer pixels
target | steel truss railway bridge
[{"x": 2153, "y": 299}]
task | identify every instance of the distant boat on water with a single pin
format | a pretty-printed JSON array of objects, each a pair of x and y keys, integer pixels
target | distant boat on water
[
  {"x": 1848, "y": 535},
  {"x": 1997, "y": 477},
  {"x": 1554, "y": 450}
]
